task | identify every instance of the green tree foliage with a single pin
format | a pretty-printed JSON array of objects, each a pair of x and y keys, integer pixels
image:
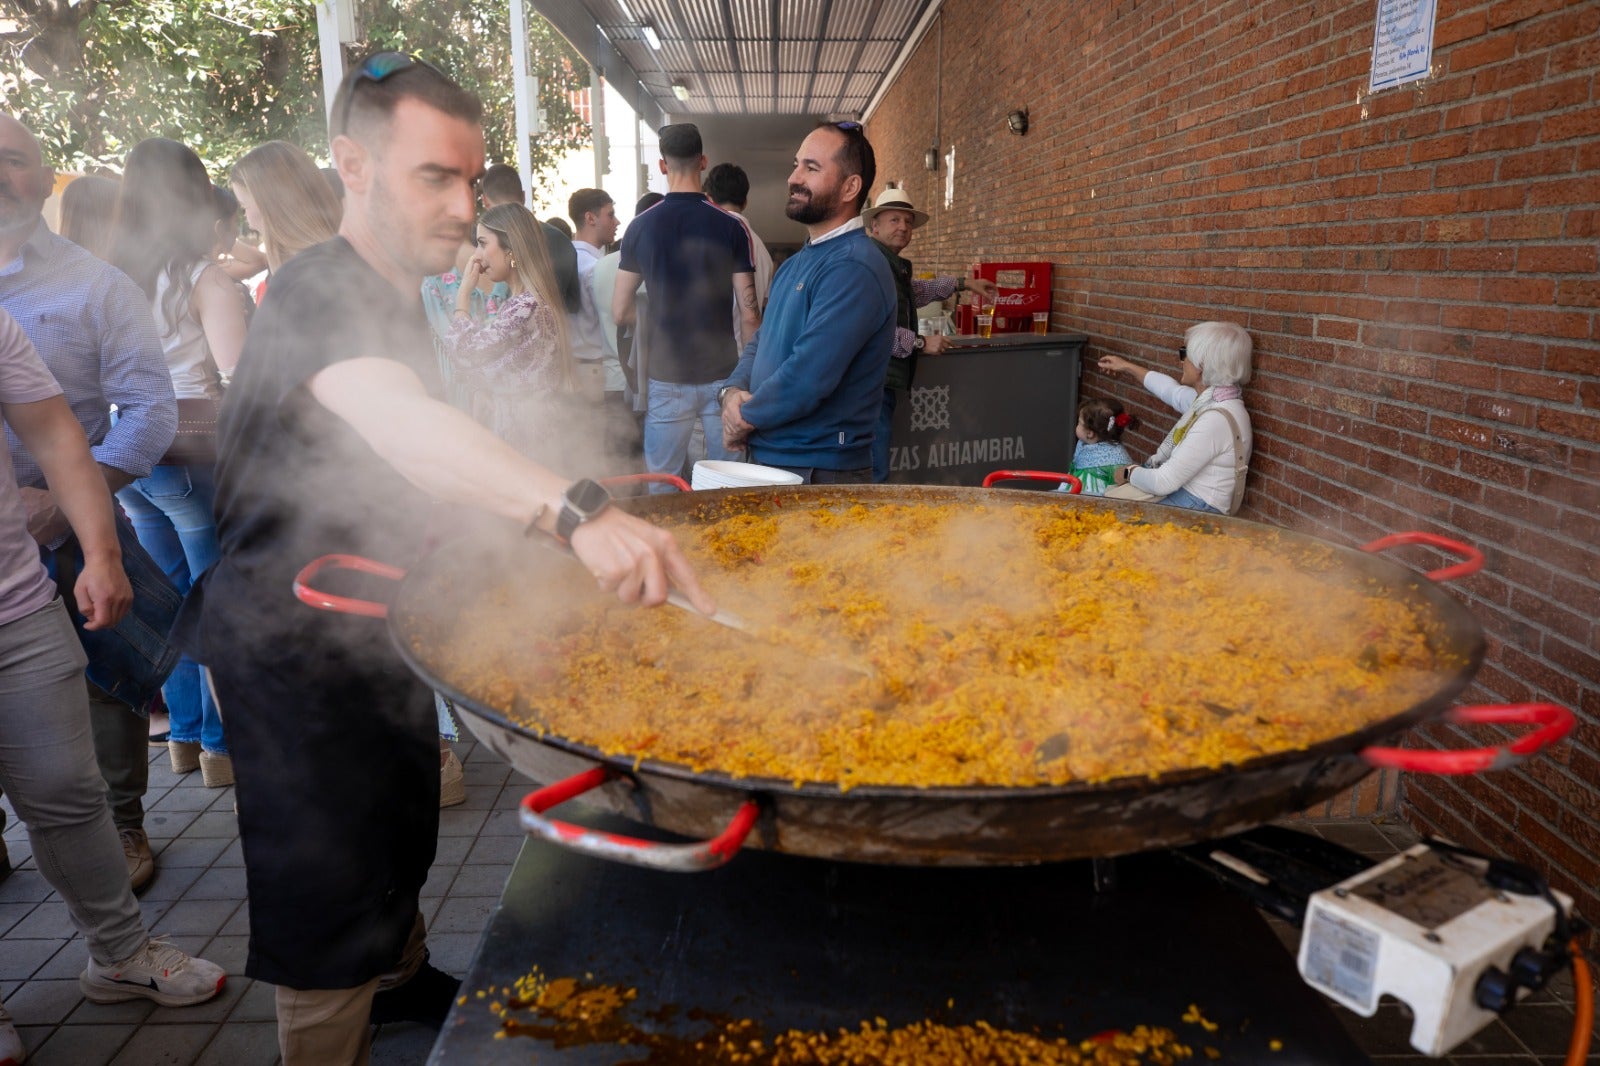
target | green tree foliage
[
  {"x": 94, "y": 77},
  {"x": 471, "y": 41}
]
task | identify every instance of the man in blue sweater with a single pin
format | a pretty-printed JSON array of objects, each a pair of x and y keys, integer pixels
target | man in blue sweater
[{"x": 806, "y": 392}]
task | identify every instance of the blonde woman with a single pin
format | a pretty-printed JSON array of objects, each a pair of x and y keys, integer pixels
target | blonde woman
[
  {"x": 88, "y": 206},
  {"x": 285, "y": 199},
  {"x": 516, "y": 369}
]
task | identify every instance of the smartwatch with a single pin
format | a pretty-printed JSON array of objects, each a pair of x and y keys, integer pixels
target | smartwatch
[{"x": 583, "y": 500}]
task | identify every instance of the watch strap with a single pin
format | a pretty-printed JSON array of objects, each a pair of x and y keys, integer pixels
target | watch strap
[{"x": 571, "y": 517}]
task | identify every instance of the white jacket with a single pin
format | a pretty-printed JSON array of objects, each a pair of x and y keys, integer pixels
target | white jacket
[{"x": 1204, "y": 462}]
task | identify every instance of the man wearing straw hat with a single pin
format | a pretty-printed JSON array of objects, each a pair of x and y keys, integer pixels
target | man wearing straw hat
[{"x": 890, "y": 223}]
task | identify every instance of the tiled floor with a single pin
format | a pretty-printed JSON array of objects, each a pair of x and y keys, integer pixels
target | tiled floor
[{"x": 197, "y": 899}]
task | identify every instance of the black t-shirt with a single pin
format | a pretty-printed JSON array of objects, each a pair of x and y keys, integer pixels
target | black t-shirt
[
  {"x": 687, "y": 249},
  {"x": 294, "y": 481},
  {"x": 334, "y": 740}
]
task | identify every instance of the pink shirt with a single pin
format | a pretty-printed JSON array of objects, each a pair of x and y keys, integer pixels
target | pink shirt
[{"x": 24, "y": 585}]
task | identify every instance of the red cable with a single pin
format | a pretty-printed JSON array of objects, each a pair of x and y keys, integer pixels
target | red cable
[{"x": 1583, "y": 1010}]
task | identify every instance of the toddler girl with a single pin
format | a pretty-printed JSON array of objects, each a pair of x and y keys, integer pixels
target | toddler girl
[{"x": 1099, "y": 451}]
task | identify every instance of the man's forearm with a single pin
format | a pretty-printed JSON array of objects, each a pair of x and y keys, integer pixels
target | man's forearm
[
  {"x": 78, "y": 487},
  {"x": 438, "y": 448},
  {"x": 624, "y": 298}
]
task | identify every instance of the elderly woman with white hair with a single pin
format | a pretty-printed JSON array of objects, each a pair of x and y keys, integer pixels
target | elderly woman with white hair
[{"x": 1202, "y": 463}]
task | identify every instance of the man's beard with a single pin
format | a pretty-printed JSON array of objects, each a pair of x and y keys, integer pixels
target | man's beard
[
  {"x": 414, "y": 248},
  {"x": 16, "y": 218},
  {"x": 813, "y": 208}
]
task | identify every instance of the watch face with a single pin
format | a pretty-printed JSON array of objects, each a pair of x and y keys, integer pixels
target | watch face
[{"x": 586, "y": 496}]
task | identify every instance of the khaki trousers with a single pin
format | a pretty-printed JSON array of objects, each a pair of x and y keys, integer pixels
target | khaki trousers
[{"x": 331, "y": 1026}]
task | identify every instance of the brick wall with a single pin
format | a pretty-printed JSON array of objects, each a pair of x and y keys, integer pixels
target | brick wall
[{"x": 1417, "y": 267}]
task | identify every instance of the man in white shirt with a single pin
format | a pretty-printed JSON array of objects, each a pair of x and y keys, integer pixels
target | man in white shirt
[
  {"x": 728, "y": 187},
  {"x": 594, "y": 221}
]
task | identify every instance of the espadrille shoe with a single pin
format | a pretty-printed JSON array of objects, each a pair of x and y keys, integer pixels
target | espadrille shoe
[
  {"x": 216, "y": 769},
  {"x": 185, "y": 755}
]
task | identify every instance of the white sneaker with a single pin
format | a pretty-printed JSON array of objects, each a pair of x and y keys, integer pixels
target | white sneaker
[
  {"x": 12, "y": 1053},
  {"x": 158, "y": 972}
]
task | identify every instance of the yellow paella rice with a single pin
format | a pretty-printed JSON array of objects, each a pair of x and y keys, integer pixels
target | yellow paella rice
[
  {"x": 1006, "y": 645},
  {"x": 566, "y": 1012}
]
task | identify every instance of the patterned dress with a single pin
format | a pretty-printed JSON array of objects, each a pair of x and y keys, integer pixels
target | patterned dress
[
  {"x": 508, "y": 373},
  {"x": 1096, "y": 465}
]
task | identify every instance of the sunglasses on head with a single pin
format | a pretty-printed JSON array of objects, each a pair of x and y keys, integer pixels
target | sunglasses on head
[
  {"x": 376, "y": 68},
  {"x": 847, "y": 126}
]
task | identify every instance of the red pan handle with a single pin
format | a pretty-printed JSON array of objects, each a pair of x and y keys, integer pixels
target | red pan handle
[
  {"x": 1032, "y": 475},
  {"x": 674, "y": 858},
  {"x": 661, "y": 479},
  {"x": 1472, "y": 558},
  {"x": 1554, "y": 722},
  {"x": 326, "y": 601}
]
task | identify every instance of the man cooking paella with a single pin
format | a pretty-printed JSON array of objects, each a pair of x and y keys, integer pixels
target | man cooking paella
[{"x": 334, "y": 439}]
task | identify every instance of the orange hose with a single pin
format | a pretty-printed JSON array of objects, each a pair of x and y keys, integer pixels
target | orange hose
[{"x": 1583, "y": 1010}]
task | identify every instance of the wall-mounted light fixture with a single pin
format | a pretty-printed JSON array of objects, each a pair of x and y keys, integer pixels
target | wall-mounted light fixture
[
  {"x": 648, "y": 29},
  {"x": 1017, "y": 122},
  {"x": 930, "y": 159},
  {"x": 680, "y": 89}
]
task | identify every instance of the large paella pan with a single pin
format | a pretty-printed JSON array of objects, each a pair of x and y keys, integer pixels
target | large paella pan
[{"x": 1030, "y": 719}]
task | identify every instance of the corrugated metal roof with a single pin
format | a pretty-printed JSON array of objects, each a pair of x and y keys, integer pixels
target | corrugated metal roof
[
  {"x": 724, "y": 85},
  {"x": 793, "y": 84},
  {"x": 847, "y": 22},
  {"x": 799, "y": 19},
  {"x": 837, "y": 57},
  {"x": 702, "y": 19},
  {"x": 827, "y": 86},
  {"x": 755, "y": 55},
  {"x": 751, "y": 19},
  {"x": 830, "y": 55}
]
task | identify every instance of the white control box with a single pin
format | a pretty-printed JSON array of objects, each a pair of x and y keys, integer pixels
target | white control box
[{"x": 1422, "y": 927}]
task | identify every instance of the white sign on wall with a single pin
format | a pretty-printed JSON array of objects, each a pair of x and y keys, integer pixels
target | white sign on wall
[{"x": 1402, "y": 42}]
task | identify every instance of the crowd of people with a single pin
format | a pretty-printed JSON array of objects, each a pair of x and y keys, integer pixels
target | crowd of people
[{"x": 417, "y": 347}]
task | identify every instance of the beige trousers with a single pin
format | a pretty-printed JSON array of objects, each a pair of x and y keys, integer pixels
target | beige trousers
[{"x": 331, "y": 1026}]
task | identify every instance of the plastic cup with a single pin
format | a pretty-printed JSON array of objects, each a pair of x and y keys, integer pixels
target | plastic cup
[
  {"x": 985, "y": 325},
  {"x": 1041, "y": 322}
]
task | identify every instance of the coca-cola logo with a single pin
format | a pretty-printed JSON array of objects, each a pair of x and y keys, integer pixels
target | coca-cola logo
[{"x": 1013, "y": 299}]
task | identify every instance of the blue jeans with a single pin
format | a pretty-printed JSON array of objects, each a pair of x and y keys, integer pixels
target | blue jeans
[
  {"x": 669, "y": 423},
  {"x": 171, "y": 513},
  {"x": 1184, "y": 498},
  {"x": 880, "y": 437}
]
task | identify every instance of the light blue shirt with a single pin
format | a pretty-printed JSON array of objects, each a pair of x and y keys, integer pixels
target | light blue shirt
[{"x": 94, "y": 330}]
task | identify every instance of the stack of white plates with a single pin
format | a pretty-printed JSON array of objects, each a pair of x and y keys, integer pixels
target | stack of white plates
[{"x": 721, "y": 474}]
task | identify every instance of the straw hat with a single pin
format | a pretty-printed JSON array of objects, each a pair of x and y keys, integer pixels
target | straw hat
[{"x": 894, "y": 198}]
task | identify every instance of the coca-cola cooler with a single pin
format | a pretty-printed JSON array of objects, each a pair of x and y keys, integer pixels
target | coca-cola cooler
[{"x": 1023, "y": 289}]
